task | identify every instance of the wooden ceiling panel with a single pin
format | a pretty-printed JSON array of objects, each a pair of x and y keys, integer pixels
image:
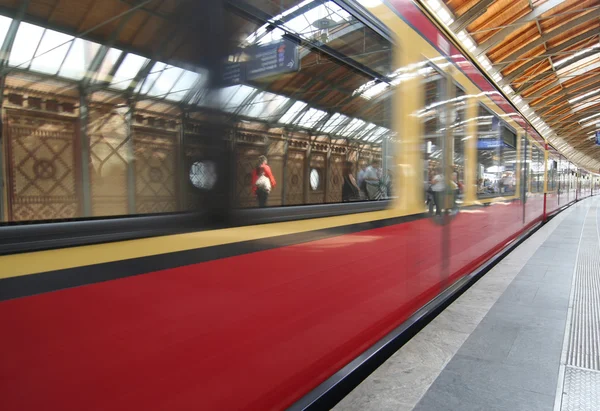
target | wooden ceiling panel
[
  {"x": 567, "y": 11},
  {"x": 66, "y": 15},
  {"x": 499, "y": 14},
  {"x": 41, "y": 9},
  {"x": 462, "y": 6},
  {"x": 524, "y": 58},
  {"x": 521, "y": 37},
  {"x": 524, "y": 39}
]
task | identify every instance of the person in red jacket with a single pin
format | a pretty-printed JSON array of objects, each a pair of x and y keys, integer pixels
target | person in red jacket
[{"x": 262, "y": 166}]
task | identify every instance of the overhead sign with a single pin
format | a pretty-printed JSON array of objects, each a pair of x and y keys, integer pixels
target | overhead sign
[
  {"x": 275, "y": 58},
  {"x": 489, "y": 144},
  {"x": 233, "y": 74}
]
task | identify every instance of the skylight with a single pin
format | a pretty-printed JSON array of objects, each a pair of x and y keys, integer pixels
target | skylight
[
  {"x": 589, "y": 117},
  {"x": 230, "y": 98},
  {"x": 575, "y": 55},
  {"x": 187, "y": 81},
  {"x": 354, "y": 125},
  {"x": 301, "y": 24},
  {"x": 127, "y": 71},
  {"x": 579, "y": 67},
  {"x": 264, "y": 106},
  {"x": 334, "y": 122},
  {"x": 291, "y": 114},
  {"x": 78, "y": 59},
  {"x": 51, "y": 52},
  {"x": 586, "y": 105},
  {"x": 584, "y": 96},
  {"x": 26, "y": 42},
  {"x": 310, "y": 118},
  {"x": 4, "y": 26}
]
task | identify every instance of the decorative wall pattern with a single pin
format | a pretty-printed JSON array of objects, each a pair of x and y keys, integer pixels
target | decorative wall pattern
[
  {"x": 155, "y": 168},
  {"x": 109, "y": 158},
  {"x": 41, "y": 163}
]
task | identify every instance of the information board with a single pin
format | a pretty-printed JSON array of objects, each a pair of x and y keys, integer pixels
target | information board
[{"x": 275, "y": 58}]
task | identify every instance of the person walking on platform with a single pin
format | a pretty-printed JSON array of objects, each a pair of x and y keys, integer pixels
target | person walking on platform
[{"x": 263, "y": 169}]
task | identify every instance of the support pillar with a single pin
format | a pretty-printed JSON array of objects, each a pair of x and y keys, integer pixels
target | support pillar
[
  {"x": 84, "y": 141},
  {"x": 130, "y": 161}
]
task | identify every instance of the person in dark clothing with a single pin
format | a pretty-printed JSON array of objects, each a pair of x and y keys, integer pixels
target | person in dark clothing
[{"x": 350, "y": 190}]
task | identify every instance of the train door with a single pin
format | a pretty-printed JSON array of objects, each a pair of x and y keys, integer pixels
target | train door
[{"x": 444, "y": 147}]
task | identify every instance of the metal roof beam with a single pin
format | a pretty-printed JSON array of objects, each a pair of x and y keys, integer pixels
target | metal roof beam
[
  {"x": 546, "y": 37},
  {"x": 528, "y": 18},
  {"x": 471, "y": 15},
  {"x": 552, "y": 51}
]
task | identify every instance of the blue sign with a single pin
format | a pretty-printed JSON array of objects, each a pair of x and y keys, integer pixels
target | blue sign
[
  {"x": 270, "y": 59},
  {"x": 598, "y": 137},
  {"x": 488, "y": 144}
]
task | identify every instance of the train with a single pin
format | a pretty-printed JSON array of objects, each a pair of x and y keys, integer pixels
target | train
[{"x": 143, "y": 265}]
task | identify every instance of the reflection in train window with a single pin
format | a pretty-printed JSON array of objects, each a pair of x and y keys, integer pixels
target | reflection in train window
[
  {"x": 537, "y": 170},
  {"x": 552, "y": 166},
  {"x": 94, "y": 130},
  {"x": 432, "y": 115},
  {"x": 316, "y": 113},
  {"x": 496, "y": 156}
]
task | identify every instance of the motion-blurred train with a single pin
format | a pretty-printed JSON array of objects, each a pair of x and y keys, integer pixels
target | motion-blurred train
[{"x": 137, "y": 270}]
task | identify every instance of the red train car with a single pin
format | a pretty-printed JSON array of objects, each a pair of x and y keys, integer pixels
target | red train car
[{"x": 137, "y": 270}]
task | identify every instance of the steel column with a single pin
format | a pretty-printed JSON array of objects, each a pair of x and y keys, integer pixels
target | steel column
[
  {"x": 84, "y": 141},
  {"x": 130, "y": 161}
]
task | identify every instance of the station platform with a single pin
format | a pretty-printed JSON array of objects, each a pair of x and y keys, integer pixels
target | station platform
[{"x": 526, "y": 336}]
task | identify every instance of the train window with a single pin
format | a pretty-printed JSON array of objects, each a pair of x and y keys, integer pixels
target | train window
[
  {"x": 94, "y": 130},
  {"x": 552, "y": 166},
  {"x": 459, "y": 131},
  {"x": 537, "y": 170},
  {"x": 496, "y": 159},
  {"x": 326, "y": 136},
  {"x": 432, "y": 115}
]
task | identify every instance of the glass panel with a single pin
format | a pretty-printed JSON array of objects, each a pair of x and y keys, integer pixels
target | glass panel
[
  {"x": 431, "y": 115},
  {"x": 265, "y": 106},
  {"x": 231, "y": 98},
  {"x": 79, "y": 59},
  {"x": 165, "y": 83},
  {"x": 108, "y": 63},
  {"x": 4, "y": 26},
  {"x": 537, "y": 169},
  {"x": 26, "y": 42},
  {"x": 156, "y": 71},
  {"x": 293, "y": 112},
  {"x": 334, "y": 123},
  {"x": 489, "y": 152},
  {"x": 323, "y": 22},
  {"x": 127, "y": 71},
  {"x": 322, "y": 104},
  {"x": 51, "y": 52},
  {"x": 459, "y": 132},
  {"x": 324, "y": 116}
]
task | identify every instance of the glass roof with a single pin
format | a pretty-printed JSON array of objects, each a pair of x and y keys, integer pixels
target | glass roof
[
  {"x": 579, "y": 67},
  {"x": 51, "y": 52}
]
